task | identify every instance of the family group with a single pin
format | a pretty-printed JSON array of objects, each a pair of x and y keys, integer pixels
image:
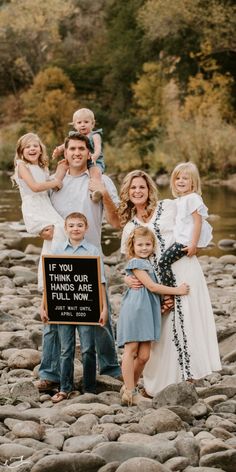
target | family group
[{"x": 166, "y": 325}]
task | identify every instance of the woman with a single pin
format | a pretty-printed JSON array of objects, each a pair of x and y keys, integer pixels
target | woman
[{"x": 188, "y": 347}]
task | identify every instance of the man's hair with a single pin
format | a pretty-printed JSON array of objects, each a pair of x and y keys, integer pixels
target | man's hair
[
  {"x": 78, "y": 137},
  {"x": 79, "y": 216}
]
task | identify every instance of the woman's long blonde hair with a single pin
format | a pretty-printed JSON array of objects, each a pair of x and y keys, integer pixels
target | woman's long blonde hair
[
  {"x": 126, "y": 210},
  {"x": 22, "y": 143}
]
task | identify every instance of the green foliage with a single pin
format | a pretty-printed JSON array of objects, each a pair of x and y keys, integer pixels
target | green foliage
[
  {"x": 158, "y": 74},
  {"x": 49, "y": 105}
]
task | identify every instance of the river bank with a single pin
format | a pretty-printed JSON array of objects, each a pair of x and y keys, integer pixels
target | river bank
[{"x": 187, "y": 428}]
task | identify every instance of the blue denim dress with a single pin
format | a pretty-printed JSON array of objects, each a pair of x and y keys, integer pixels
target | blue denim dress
[{"x": 140, "y": 314}]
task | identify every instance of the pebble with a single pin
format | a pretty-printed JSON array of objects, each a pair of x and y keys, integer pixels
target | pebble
[{"x": 189, "y": 428}]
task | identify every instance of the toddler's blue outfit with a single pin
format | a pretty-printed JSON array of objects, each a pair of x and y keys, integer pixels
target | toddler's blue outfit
[
  {"x": 100, "y": 160},
  {"x": 140, "y": 314}
]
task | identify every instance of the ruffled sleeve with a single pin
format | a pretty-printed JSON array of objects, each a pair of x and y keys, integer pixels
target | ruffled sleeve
[
  {"x": 142, "y": 264},
  {"x": 190, "y": 203}
]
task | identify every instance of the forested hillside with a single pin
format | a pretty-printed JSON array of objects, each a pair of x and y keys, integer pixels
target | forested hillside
[{"x": 158, "y": 74}]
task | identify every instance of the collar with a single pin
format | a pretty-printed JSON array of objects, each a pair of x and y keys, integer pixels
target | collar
[
  {"x": 82, "y": 243},
  {"x": 74, "y": 176}
]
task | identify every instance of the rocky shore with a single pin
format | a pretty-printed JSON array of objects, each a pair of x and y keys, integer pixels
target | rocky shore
[{"x": 190, "y": 428}]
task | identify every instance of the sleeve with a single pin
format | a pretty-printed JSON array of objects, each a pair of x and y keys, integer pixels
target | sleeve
[
  {"x": 111, "y": 188},
  {"x": 192, "y": 203},
  {"x": 142, "y": 264}
]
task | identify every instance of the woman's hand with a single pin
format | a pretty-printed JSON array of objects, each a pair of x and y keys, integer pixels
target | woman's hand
[
  {"x": 167, "y": 304},
  {"x": 132, "y": 282}
]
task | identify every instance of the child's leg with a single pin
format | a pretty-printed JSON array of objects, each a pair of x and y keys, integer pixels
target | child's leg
[
  {"x": 130, "y": 352},
  {"x": 143, "y": 355},
  {"x": 67, "y": 341},
  {"x": 171, "y": 255},
  {"x": 95, "y": 173}
]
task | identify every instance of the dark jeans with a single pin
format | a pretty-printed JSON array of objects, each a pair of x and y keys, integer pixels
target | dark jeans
[{"x": 93, "y": 339}]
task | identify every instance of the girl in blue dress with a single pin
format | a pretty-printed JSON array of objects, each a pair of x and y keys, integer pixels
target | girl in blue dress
[{"x": 140, "y": 316}]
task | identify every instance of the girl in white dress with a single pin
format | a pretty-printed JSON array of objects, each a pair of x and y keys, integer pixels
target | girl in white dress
[
  {"x": 188, "y": 347},
  {"x": 191, "y": 229},
  {"x": 32, "y": 177}
]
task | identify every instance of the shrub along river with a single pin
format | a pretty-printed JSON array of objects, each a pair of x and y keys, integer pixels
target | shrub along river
[{"x": 220, "y": 200}]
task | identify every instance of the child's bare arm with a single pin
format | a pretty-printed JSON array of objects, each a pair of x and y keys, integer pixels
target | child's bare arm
[
  {"x": 25, "y": 174},
  {"x": 97, "y": 147},
  {"x": 104, "y": 314},
  {"x": 154, "y": 287},
  {"x": 61, "y": 169},
  {"x": 191, "y": 250}
]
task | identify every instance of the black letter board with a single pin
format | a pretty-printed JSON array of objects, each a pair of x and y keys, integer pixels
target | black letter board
[{"x": 72, "y": 289}]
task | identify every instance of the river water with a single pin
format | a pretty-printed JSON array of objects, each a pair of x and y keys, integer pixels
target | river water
[{"x": 220, "y": 201}]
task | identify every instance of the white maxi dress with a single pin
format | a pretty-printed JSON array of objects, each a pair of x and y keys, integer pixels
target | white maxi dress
[{"x": 188, "y": 346}]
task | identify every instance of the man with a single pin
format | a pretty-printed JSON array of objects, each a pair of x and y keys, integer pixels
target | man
[{"x": 75, "y": 197}]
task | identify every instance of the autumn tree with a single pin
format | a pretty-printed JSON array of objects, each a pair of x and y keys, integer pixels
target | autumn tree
[
  {"x": 29, "y": 35},
  {"x": 49, "y": 105}
]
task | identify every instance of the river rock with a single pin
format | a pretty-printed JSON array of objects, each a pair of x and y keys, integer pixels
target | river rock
[
  {"x": 183, "y": 394},
  {"x": 83, "y": 443},
  {"x": 69, "y": 463},
  {"x": 161, "y": 420},
  {"x": 141, "y": 464},
  {"x": 24, "y": 359},
  {"x": 29, "y": 429},
  {"x": 83, "y": 425},
  {"x": 113, "y": 451},
  {"x": 224, "y": 459}
]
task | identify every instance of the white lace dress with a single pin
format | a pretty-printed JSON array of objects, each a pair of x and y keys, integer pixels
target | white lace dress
[{"x": 188, "y": 346}]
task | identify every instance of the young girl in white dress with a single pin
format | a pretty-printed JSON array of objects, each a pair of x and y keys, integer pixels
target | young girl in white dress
[
  {"x": 32, "y": 177},
  {"x": 140, "y": 316},
  {"x": 191, "y": 230}
]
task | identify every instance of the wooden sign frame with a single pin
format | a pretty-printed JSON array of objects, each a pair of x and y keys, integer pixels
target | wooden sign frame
[{"x": 72, "y": 289}]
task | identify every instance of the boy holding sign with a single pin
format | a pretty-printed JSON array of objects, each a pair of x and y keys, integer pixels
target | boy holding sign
[{"x": 76, "y": 245}]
